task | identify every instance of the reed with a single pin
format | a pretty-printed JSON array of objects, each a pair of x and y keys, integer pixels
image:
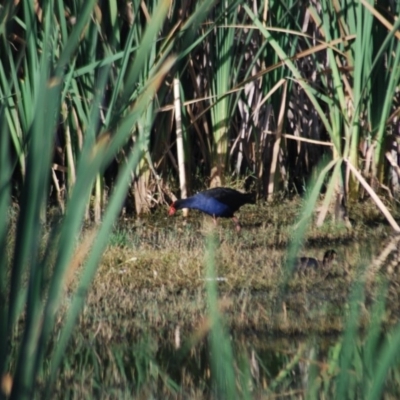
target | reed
[
  {"x": 272, "y": 93},
  {"x": 54, "y": 46}
]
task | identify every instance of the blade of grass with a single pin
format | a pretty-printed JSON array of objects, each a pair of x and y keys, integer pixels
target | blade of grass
[
  {"x": 221, "y": 350},
  {"x": 347, "y": 351},
  {"x": 113, "y": 209},
  {"x": 35, "y": 190},
  {"x": 5, "y": 197}
]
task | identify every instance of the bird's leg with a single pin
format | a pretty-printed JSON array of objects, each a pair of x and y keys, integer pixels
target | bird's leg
[
  {"x": 237, "y": 223},
  {"x": 215, "y": 220}
]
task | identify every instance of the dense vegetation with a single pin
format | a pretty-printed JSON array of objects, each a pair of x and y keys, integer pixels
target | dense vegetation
[
  {"x": 106, "y": 104},
  {"x": 261, "y": 95}
]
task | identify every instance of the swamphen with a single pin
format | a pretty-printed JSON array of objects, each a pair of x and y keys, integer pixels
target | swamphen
[
  {"x": 305, "y": 263},
  {"x": 217, "y": 202}
]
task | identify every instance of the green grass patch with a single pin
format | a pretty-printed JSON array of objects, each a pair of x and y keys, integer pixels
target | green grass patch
[{"x": 145, "y": 327}]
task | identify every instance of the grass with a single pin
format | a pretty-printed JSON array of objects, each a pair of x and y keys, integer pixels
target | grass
[
  {"x": 145, "y": 327},
  {"x": 167, "y": 253}
]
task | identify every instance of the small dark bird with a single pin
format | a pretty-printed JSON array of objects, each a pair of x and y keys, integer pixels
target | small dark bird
[
  {"x": 306, "y": 263},
  {"x": 218, "y": 202}
]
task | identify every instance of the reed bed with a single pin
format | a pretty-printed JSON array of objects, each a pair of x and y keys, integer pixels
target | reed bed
[{"x": 275, "y": 96}]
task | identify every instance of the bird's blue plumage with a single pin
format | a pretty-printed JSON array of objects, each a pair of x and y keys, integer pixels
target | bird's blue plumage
[
  {"x": 217, "y": 202},
  {"x": 208, "y": 205}
]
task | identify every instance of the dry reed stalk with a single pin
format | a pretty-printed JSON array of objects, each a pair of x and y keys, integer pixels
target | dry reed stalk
[
  {"x": 374, "y": 196},
  {"x": 179, "y": 143},
  {"x": 58, "y": 190},
  {"x": 268, "y": 95},
  {"x": 97, "y": 200},
  {"x": 393, "y": 163},
  {"x": 302, "y": 139},
  {"x": 369, "y": 158},
  {"x": 379, "y": 260},
  {"x": 380, "y": 18},
  {"x": 277, "y": 143},
  {"x": 71, "y": 175}
]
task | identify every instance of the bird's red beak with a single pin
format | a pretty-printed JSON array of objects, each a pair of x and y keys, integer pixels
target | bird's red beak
[{"x": 172, "y": 210}]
